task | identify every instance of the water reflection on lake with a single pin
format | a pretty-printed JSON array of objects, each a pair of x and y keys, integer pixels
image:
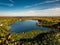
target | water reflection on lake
[{"x": 25, "y": 26}]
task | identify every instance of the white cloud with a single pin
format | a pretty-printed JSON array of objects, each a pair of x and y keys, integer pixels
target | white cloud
[
  {"x": 48, "y": 1},
  {"x": 46, "y": 12},
  {"x": 10, "y": 5},
  {"x": 7, "y": 4},
  {"x": 11, "y": 1}
]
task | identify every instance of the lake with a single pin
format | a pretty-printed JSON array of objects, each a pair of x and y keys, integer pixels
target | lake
[{"x": 24, "y": 26}]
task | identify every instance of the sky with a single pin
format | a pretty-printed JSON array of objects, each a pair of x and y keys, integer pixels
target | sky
[{"x": 29, "y": 7}]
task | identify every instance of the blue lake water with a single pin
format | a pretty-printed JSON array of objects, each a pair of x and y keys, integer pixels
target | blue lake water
[{"x": 25, "y": 26}]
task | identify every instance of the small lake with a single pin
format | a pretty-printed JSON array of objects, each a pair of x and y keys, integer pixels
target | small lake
[{"x": 25, "y": 26}]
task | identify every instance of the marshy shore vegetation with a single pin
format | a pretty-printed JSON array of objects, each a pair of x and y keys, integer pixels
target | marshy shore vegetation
[{"x": 34, "y": 37}]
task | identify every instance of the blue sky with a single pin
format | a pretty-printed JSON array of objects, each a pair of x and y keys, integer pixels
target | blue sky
[{"x": 32, "y": 7}]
